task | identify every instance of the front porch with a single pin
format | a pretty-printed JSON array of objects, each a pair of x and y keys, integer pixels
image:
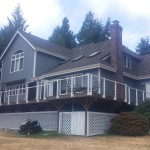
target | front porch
[{"x": 71, "y": 88}]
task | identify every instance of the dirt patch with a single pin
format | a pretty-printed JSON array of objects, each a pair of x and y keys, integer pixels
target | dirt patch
[{"x": 8, "y": 142}]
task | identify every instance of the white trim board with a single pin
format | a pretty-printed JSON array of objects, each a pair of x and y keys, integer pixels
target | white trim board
[{"x": 34, "y": 48}]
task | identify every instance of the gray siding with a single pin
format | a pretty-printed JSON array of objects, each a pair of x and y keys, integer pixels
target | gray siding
[
  {"x": 45, "y": 62},
  {"x": 92, "y": 71},
  {"x": 131, "y": 82},
  {"x": 27, "y": 73},
  {"x": 107, "y": 74}
]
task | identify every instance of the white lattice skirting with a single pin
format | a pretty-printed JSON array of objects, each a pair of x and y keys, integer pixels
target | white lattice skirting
[
  {"x": 71, "y": 123},
  {"x": 74, "y": 123},
  {"x": 98, "y": 123},
  {"x": 47, "y": 119}
]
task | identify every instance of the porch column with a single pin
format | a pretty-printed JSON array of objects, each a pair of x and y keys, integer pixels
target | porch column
[
  {"x": 136, "y": 97},
  {"x": 125, "y": 93},
  {"x": 57, "y": 94},
  {"x": 99, "y": 80},
  {"x": 27, "y": 91},
  {"x": 0, "y": 98},
  {"x": 88, "y": 84},
  {"x": 8, "y": 102},
  {"x": 104, "y": 87},
  {"x": 17, "y": 102},
  {"x": 129, "y": 96},
  {"x": 115, "y": 97},
  {"x": 143, "y": 96},
  {"x": 37, "y": 91},
  {"x": 72, "y": 94}
]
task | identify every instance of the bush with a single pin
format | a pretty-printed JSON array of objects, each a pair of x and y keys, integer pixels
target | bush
[
  {"x": 129, "y": 123},
  {"x": 144, "y": 109}
]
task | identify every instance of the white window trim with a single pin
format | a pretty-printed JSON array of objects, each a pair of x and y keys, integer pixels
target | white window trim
[
  {"x": 14, "y": 90},
  {"x": 14, "y": 59}
]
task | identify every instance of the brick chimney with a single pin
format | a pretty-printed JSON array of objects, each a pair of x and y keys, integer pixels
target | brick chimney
[{"x": 116, "y": 49}]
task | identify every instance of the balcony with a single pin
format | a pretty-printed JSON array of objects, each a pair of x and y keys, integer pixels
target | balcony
[{"x": 72, "y": 87}]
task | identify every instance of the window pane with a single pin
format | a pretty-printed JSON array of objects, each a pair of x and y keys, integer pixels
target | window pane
[
  {"x": 21, "y": 64},
  {"x": 17, "y": 65},
  {"x": 17, "y": 61},
  {"x": 12, "y": 66}
]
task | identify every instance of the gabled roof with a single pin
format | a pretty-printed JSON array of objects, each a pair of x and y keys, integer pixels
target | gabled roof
[
  {"x": 85, "y": 62},
  {"x": 131, "y": 53},
  {"x": 42, "y": 45}
]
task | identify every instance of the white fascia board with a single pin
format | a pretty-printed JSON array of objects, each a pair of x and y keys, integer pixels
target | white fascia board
[
  {"x": 12, "y": 41},
  {"x": 144, "y": 77},
  {"x": 130, "y": 75},
  {"x": 77, "y": 69},
  {"x": 26, "y": 40},
  {"x": 8, "y": 45},
  {"x": 136, "y": 77},
  {"x": 51, "y": 53}
]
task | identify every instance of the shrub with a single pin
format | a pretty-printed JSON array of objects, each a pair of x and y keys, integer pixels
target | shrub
[
  {"x": 129, "y": 123},
  {"x": 144, "y": 109}
]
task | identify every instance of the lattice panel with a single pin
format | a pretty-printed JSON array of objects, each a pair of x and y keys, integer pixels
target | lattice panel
[
  {"x": 65, "y": 123},
  {"x": 47, "y": 119},
  {"x": 98, "y": 123}
]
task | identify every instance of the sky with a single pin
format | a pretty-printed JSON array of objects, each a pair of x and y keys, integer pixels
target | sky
[{"x": 44, "y": 15}]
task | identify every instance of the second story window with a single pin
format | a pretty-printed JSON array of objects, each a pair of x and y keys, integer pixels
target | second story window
[
  {"x": 127, "y": 61},
  {"x": 17, "y": 61}
]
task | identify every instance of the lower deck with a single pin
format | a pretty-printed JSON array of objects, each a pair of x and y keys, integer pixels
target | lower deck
[{"x": 73, "y": 89}]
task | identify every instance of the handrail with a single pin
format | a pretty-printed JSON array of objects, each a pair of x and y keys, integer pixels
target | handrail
[{"x": 88, "y": 80}]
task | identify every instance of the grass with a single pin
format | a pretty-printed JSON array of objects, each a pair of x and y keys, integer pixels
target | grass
[
  {"x": 53, "y": 141},
  {"x": 44, "y": 135}
]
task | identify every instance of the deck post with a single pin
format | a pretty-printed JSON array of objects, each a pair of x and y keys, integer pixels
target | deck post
[
  {"x": 129, "y": 95},
  {"x": 115, "y": 96},
  {"x": 17, "y": 102},
  {"x": 37, "y": 91},
  {"x": 125, "y": 93},
  {"x": 88, "y": 84},
  {"x": 143, "y": 97},
  {"x": 57, "y": 95},
  {"x": 8, "y": 97},
  {"x": 45, "y": 84},
  {"x": 136, "y": 97},
  {"x": 0, "y": 98},
  {"x": 27, "y": 91},
  {"x": 99, "y": 80},
  {"x": 72, "y": 94},
  {"x": 104, "y": 85},
  {"x": 91, "y": 81}
]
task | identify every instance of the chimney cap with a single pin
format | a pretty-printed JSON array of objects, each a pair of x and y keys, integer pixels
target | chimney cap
[{"x": 116, "y": 22}]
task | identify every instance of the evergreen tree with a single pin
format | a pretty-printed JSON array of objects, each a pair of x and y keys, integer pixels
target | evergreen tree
[
  {"x": 106, "y": 30},
  {"x": 143, "y": 47},
  {"x": 93, "y": 30},
  {"x": 63, "y": 35},
  {"x": 56, "y": 36},
  {"x": 16, "y": 22}
]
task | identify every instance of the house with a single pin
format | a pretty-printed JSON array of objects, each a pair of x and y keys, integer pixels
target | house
[{"x": 83, "y": 86}]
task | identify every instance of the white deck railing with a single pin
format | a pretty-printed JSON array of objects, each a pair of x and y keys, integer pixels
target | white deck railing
[{"x": 72, "y": 86}]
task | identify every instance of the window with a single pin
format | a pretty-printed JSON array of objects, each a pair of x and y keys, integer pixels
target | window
[
  {"x": 17, "y": 61},
  {"x": 93, "y": 54},
  {"x": 127, "y": 61},
  {"x": 77, "y": 58},
  {"x": 15, "y": 89}
]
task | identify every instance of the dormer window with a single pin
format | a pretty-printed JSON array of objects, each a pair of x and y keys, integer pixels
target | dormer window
[
  {"x": 127, "y": 61},
  {"x": 17, "y": 61}
]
